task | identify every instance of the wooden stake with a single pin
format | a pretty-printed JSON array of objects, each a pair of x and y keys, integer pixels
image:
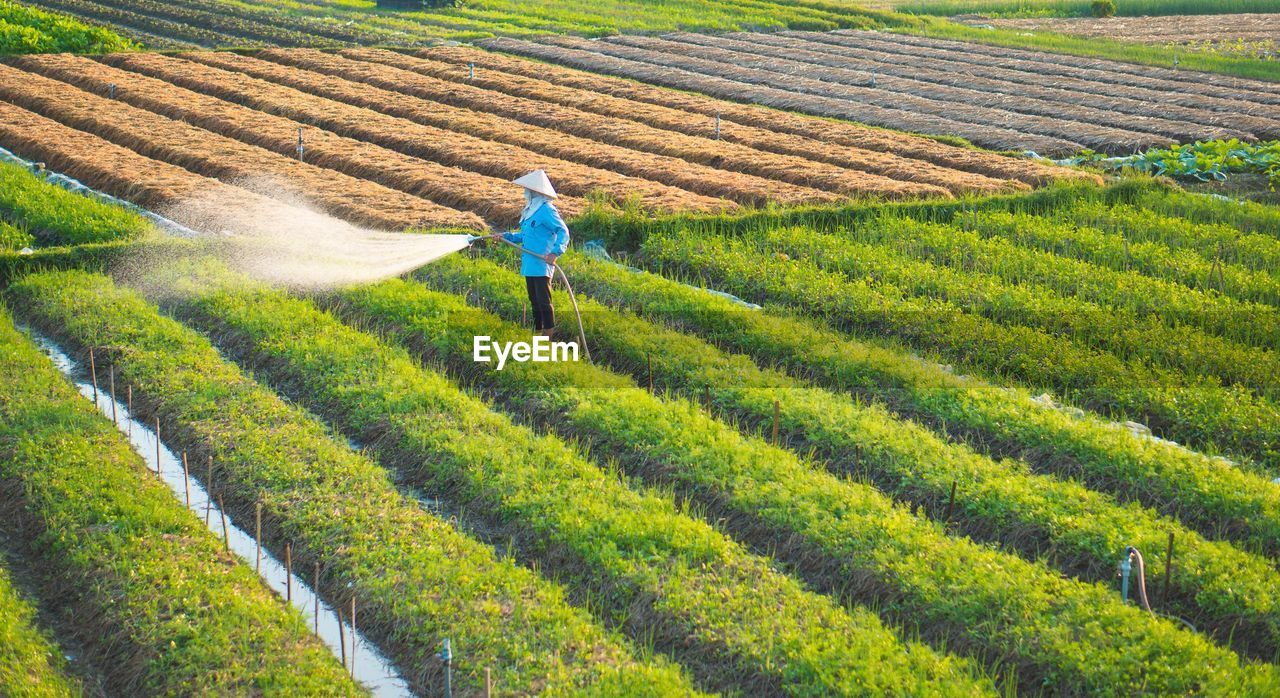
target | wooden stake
[
  {"x": 488, "y": 683},
  {"x": 649, "y": 358},
  {"x": 777, "y": 409},
  {"x": 353, "y": 634},
  {"x": 342, "y": 639},
  {"x": 186, "y": 478},
  {"x": 208, "y": 488},
  {"x": 111, "y": 385},
  {"x": 93, "y": 375},
  {"x": 315, "y": 591},
  {"x": 951, "y": 502},
  {"x": 226, "y": 536},
  {"x": 157, "y": 445},
  {"x": 288, "y": 571},
  {"x": 129, "y": 408},
  {"x": 1168, "y": 572},
  {"x": 706, "y": 397},
  {"x": 257, "y": 537}
]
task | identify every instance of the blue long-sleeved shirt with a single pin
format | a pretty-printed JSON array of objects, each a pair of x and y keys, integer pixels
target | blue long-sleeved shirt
[{"x": 542, "y": 232}]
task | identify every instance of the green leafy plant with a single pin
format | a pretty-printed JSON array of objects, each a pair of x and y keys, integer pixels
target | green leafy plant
[{"x": 1103, "y": 8}]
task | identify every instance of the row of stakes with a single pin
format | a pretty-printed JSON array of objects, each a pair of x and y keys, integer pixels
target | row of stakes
[{"x": 446, "y": 652}]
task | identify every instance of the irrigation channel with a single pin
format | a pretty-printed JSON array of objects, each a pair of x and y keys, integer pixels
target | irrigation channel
[{"x": 368, "y": 666}]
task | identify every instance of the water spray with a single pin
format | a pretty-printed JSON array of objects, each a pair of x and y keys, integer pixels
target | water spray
[{"x": 555, "y": 268}]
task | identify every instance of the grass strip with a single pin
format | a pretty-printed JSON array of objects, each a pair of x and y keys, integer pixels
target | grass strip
[
  {"x": 55, "y": 216},
  {"x": 1213, "y": 583},
  {"x": 845, "y": 537},
  {"x": 165, "y": 610},
  {"x": 418, "y": 579},
  {"x": 31, "y": 665},
  {"x": 1198, "y": 412},
  {"x": 1209, "y": 494},
  {"x": 720, "y": 610}
]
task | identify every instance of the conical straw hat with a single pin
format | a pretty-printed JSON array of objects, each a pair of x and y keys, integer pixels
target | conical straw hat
[{"x": 537, "y": 181}]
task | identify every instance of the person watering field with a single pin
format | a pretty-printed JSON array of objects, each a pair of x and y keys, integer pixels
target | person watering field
[{"x": 544, "y": 236}]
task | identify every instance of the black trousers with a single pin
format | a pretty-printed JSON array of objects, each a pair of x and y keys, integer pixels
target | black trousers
[{"x": 539, "y": 288}]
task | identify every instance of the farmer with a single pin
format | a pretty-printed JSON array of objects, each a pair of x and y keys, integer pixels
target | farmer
[{"x": 544, "y": 234}]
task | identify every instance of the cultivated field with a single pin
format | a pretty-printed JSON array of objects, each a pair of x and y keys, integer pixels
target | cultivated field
[
  {"x": 395, "y": 141},
  {"x": 998, "y": 98},
  {"x": 1256, "y": 35}
]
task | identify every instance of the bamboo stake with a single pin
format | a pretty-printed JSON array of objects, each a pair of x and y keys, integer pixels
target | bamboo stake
[
  {"x": 1168, "y": 572},
  {"x": 129, "y": 408},
  {"x": 706, "y": 397},
  {"x": 776, "y": 414},
  {"x": 353, "y": 634},
  {"x": 157, "y": 445},
  {"x": 93, "y": 375},
  {"x": 649, "y": 358},
  {"x": 208, "y": 488},
  {"x": 951, "y": 502},
  {"x": 111, "y": 385},
  {"x": 342, "y": 639},
  {"x": 186, "y": 478},
  {"x": 488, "y": 683},
  {"x": 315, "y": 591},
  {"x": 288, "y": 571},
  {"x": 226, "y": 536},
  {"x": 257, "y": 537}
]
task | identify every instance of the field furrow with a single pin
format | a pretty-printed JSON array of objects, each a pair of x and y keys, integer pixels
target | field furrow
[
  {"x": 133, "y": 20},
  {"x": 1209, "y": 494},
  {"x": 343, "y": 512},
  {"x": 283, "y": 34},
  {"x": 669, "y": 579},
  {"x": 382, "y": 124},
  {"x": 997, "y": 501},
  {"x": 1116, "y": 72},
  {"x": 411, "y": 75},
  {"x": 795, "y": 56},
  {"x": 843, "y": 536},
  {"x": 939, "y": 66},
  {"x": 160, "y": 606},
  {"x": 850, "y": 134},
  {"x": 986, "y": 128},
  {"x": 181, "y": 144},
  {"x": 31, "y": 664},
  {"x": 473, "y": 67}
]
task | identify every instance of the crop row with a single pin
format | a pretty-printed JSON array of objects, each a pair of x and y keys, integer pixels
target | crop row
[
  {"x": 1173, "y": 82},
  {"x": 230, "y": 24},
  {"x": 25, "y": 29},
  {"x": 271, "y": 20},
  {"x": 30, "y": 663},
  {"x": 380, "y": 124},
  {"x": 1091, "y": 127},
  {"x": 164, "y": 608},
  {"x": 187, "y": 146},
  {"x": 476, "y": 67},
  {"x": 410, "y": 75},
  {"x": 487, "y": 197},
  {"x": 845, "y": 537},
  {"x": 506, "y": 132},
  {"x": 126, "y": 20},
  {"x": 51, "y": 215},
  {"x": 1014, "y": 286},
  {"x": 418, "y": 579},
  {"x": 1072, "y": 91},
  {"x": 662, "y": 575},
  {"x": 1196, "y": 411},
  {"x": 1210, "y": 495},
  {"x": 1153, "y": 257},
  {"x": 994, "y": 500},
  {"x": 865, "y": 104},
  {"x": 847, "y": 134}
]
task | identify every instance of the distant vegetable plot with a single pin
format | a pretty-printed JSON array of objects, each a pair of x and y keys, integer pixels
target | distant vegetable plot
[
  {"x": 996, "y": 97},
  {"x": 26, "y": 29},
  {"x": 396, "y": 141},
  {"x": 1254, "y": 35}
]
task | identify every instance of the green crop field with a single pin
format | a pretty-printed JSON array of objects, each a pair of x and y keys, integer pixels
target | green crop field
[
  {"x": 27, "y": 29},
  {"x": 896, "y": 361}
]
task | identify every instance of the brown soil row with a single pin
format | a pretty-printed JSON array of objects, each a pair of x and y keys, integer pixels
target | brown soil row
[
  {"x": 939, "y": 67},
  {"x": 495, "y": 145},
  {"x": 1175, "y": 81},
  {"x": 853, "y": 86},
  {"x": 201, "y": 151},
  {"x": 1170, "y": 28},
  {"x": 812, "y": 129},
  {"x": 494, "y": 77},
  {"x": 117, "y": 170},
  {"x": 408, "y": 75},
  {"x": 491, "y": 198},
  {"x": 970, "y": 89}
]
